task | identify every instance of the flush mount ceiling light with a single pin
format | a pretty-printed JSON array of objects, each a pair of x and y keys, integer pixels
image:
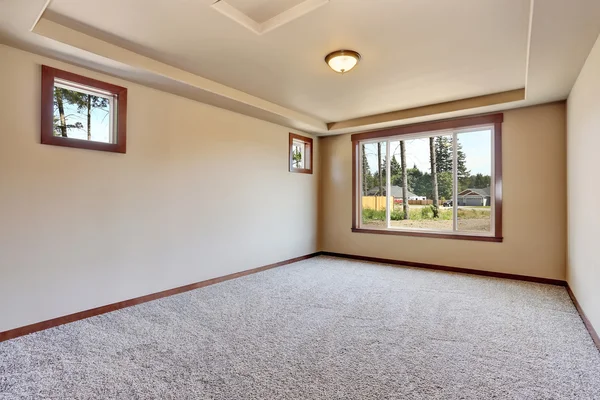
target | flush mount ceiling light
[{"x": 342, "y": 61}]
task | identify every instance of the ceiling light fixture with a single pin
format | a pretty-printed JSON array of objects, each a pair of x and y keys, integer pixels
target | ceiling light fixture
[{"x": 342, "y": 61}]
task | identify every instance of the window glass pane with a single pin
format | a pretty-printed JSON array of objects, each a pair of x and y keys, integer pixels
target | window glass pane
[
  {"x": 298, "y": 154},
  {"x": 418, "y": 208},
  {"x": 82, "y": 115},
  {"x": 373, "y": 185},
  {"x": 474, "y": 156}
]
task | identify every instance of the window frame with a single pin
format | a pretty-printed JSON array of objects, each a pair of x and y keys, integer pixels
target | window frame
[
  {"x": 308, "y": 149},
  {"x": 118, "y": 120},
  {"x": 449, "y": 126}
]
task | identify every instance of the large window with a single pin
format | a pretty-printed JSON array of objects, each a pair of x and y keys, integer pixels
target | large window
[{"x": 440, "y": 179}]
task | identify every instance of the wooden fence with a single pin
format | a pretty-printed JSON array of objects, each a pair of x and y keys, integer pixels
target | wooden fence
[
  {"x": 374, "y": 202},
  {"x": 420, "y": 202},
  {"x": 378, "y": 202}
]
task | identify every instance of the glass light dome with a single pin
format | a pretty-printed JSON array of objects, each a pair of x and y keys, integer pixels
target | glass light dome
[{"x": 342, "y": 61}]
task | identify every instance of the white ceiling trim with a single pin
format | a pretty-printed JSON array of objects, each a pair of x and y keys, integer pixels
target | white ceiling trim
[
  {"x": 99, "y": 47},
  {"x": 529, "y": 34},
  {"x": 292, "y": 14},
  {"x": 236, "y": 15},
  {"x": 283, "y": 18},
  {"x": 41, "y": 13}
]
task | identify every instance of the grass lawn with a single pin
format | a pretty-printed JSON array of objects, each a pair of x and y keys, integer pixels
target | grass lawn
[{"x": 477, "y": 219}]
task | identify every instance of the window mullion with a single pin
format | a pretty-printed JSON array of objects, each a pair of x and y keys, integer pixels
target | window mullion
[
  {"x": 387, "y": 184},
  {"x": 493, "y": 180},
  {"x": 113, "y": 121},
  {"x": 360, "y": 191},
  {"x": 454, "y": 181}
]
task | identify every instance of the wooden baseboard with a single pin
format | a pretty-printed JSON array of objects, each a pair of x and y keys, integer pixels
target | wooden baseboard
[
  {"x": 584, "y": 318},
  {"x": 39, "y": 326},
  {"x": 25, "y": 330},
  {"x": 449, "y": 269}
]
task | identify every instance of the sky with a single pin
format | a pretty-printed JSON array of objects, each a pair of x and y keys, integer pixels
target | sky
[
  {"x": 100, "y": 123},
  {"x": 475, "y": 145}
]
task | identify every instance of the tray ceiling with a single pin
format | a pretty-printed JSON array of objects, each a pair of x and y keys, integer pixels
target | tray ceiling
[
  {"x": 406, "y": 62},
  {"x": 416, "y": 53}
]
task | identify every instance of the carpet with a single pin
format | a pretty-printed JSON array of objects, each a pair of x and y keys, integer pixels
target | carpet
[{"x": 324, "y": 328}]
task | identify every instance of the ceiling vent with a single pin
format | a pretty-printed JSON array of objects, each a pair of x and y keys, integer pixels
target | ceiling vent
[{"x": 262, "y": 16}]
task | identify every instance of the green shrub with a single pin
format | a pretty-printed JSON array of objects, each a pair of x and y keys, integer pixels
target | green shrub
[
  {"x": 427, "y": 212},
  {"x": 424, "y": 213},
  {"x": 370, "y": 214},
  {"x": 396, "y": 215},
  {"x": 445, "y": 215}
]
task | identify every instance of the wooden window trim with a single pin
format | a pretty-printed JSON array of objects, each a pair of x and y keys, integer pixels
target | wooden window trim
[
  {"x": 308, "y": 142},
  {"x": 49, "y": 74},
  {"x": 432, "y": 126},
  {"x": 447, "y": 124}
]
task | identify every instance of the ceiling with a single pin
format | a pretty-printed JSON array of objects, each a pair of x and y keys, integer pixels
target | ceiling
[{"x": 265, "y": 58}]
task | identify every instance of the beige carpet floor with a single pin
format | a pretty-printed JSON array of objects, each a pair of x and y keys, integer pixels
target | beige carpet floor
[{"x": 324, "y": 328}]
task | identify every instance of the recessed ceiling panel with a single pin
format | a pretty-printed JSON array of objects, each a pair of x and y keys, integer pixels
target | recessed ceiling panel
[
  {"x": 263, "y": 16},
  {"x": 263, "y": 10}
]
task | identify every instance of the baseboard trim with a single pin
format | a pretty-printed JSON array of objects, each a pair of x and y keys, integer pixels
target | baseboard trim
[
  {"x": 584, "y": 318},
  {"x": 39, "y": 326},
  {"x": 503, "y": 275}
]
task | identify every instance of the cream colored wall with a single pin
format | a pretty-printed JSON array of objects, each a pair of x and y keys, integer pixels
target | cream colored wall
[
  {"x": 583, "y": 142},
  {"x": 202, "y": 192},
  {"x": 534, "y": 204}
]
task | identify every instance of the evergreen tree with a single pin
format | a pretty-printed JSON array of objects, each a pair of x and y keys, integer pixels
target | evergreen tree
[
  {"x": 434, "y": 178},
  {"x": 443, "y": 153},
  {"x": 380, "y": 176},
  {"x": 444, "y": 160},
  {"x": 85, "y": 104},
  {"x": 480, "y": 181},
  {"x": 445, "y": 185},
  {"x": 405, "y": 211},
  {"x": 395, "y": 168},
  {"x": 62, "y": 97},
  {"x": 61, "y": 127},
  {"x": 414, "y": 176},
  {"x": 461, "y": 168},
  {"x": 366, "y": 172},
  {"x": 395, "y": 172},
  {"x": 422, "y": 184}
]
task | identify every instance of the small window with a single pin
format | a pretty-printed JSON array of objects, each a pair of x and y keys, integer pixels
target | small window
[
  {"x": 82, "y": 112},
  {"x": 441, "y": 179},
  {"x": 300, "y": 154}
]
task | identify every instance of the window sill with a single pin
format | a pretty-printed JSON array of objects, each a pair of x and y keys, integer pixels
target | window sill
[
  {"x": 301, "y": 170},
  {"x": 84, "y": 144},
  {"x": 455, "y": 236}
]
